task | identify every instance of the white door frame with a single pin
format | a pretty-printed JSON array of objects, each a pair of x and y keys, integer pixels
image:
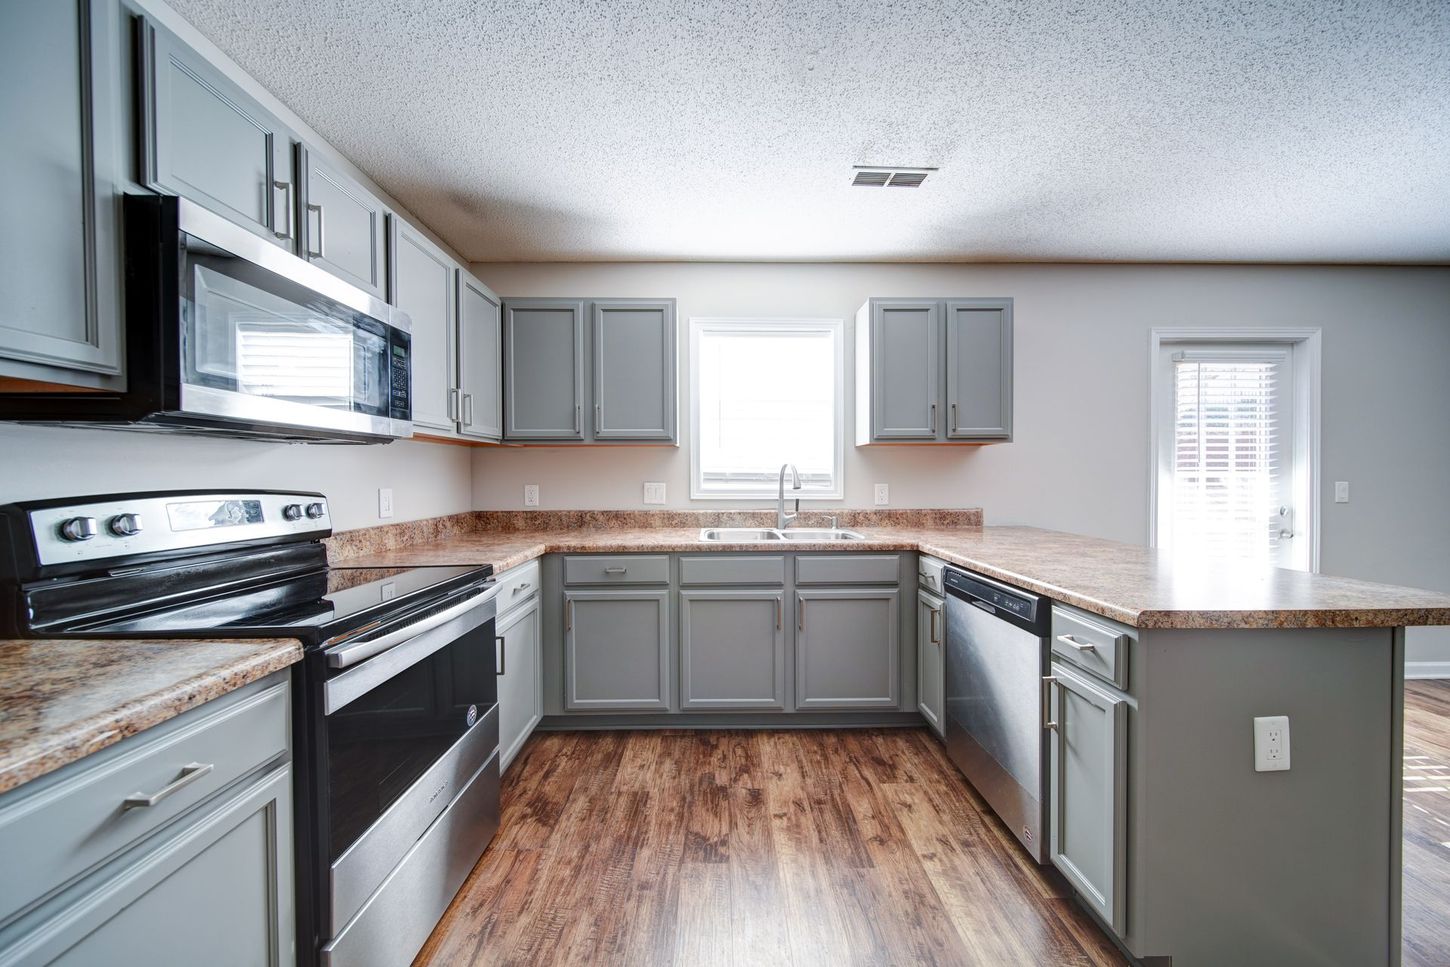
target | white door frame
[{"x": 1308, "y": 350}]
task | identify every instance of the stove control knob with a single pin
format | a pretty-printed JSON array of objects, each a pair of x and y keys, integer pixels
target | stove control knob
[
  {"x": 78, "y": 529},
  {"x": 315, "y": 510},
  {"x": 292, "y": 511},
  {"x": 125, "y": 525}
]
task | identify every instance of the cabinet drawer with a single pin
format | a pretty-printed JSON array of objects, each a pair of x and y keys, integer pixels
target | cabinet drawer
[
  {"x": 1094, "y": 644},
  {"x": 517, "y": 585},
  {"x": 848, "y": 568},
  {"x": 70, "y": 825},
  {"x": 733, "y": 569},
  {"x": 617, "y": 569},
  {"x": 928, "y": 573}
]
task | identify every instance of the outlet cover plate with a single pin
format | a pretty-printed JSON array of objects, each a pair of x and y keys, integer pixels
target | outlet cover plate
[
  {"x": 531, "y": 495},
  {"x": 883, "y": 495},
  {"x": 654, "y": 492},
  {"x": 1271, "y": 743},
  {"x": 385, "y": 502},
  {"x": 1341, "y": 491}
]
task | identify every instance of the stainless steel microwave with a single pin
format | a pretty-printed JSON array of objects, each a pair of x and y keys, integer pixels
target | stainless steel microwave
[{"x": 227, "y": 333}]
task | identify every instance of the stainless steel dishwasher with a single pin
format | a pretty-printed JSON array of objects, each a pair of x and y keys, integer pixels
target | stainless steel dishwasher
[{"x": 997, "y": 654}]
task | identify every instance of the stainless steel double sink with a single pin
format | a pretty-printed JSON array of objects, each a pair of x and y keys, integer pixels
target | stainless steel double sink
[{"x": 746, "y": 535}]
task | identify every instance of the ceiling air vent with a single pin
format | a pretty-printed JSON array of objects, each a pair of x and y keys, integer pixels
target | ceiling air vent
[{"x": 887, "y": 177}]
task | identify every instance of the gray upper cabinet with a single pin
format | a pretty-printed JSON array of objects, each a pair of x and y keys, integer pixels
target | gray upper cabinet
[
  {"x": 543, "y": 369},
  {"x": 979, "y": 369},
  {"x": 480, "y": 355},
  {"x": 424, "y": 286},
  {"x": 732, "y": 649},
  {"x": 343, "y": 226},
  {"x": 934, "y": 371},
  {"x": 1088, "y": 791},
  {"x": 846, "y": 648},
  {"x": 617, "y": 650},
  {"x": 58, "y": 220},
  {"x": 205, "y": 139},
  {"x": 634, "y": 370}
]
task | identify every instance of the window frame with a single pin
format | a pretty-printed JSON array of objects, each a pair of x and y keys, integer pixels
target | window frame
[
  {"x": 783, "y": 325},
  {"x": 1304, "y": 349}
]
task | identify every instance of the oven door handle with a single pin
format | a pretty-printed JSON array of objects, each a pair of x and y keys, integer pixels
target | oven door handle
[{"x": 348, "y": 655}]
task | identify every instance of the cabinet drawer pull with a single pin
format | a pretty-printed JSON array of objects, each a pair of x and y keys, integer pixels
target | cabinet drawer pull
[
  {"x": 1047, "y": 682},
  {"x": 286, "y": 188},
  {"x": 321, "y": 238},
  {"x": 501, "y": 655},
  {"x": 1074, "y": 643},
  {"x": 935, "y": 633},
  {"x": 521, "y": 587},
  {"x": 190, "y": 773},
  {"x": 618, "y": 569}
]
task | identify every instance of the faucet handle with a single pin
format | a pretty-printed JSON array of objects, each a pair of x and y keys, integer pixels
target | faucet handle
[{"x": 832, "y": 519}]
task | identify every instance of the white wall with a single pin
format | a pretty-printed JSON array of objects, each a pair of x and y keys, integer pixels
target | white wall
[
  {"x": 1079, "y": 461},
  {"x": 427, "y": 479}
]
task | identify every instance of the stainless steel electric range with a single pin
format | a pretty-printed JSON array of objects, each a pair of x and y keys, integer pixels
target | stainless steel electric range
[{"x": 395, "y": 702}]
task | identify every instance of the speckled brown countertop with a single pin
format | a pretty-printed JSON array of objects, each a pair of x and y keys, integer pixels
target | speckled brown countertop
[
  {"x": 1127, "y": 582},
  {"x": 61, "y": 700}
]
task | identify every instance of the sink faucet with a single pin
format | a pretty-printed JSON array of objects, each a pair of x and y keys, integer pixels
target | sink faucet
[{"x": 782, "y": 519}]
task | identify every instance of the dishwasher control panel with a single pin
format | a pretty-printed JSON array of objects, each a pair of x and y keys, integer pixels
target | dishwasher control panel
[{"x": 996, "y": 596}]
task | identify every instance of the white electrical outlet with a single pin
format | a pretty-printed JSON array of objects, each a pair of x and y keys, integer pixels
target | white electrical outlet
[
  {"x": 1341, "y": 491},
  {"x": 654, "y": 492},
  {"x": 1271, "y": 743},
  {"x": 531, "y": 495},
  {"x": 883, "y": 495},
  {"x": 385, "y": 502}
]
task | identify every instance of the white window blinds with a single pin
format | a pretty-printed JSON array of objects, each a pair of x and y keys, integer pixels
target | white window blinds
[{"x": 1229, "y": 495}]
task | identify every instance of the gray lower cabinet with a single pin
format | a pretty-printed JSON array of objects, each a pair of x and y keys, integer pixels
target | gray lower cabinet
[
  {"x": 930, "y": 668},
  {"x": 634, "y": 369},
  {"x": 424, "y": 285},
  {"x": 732, "y": 649},
  {"x": 543, "y": 369},
  {"x": 520, "y": 679},
  {"x": 1088, "y": 798},
  {"x": 934, "y": 371},
  {"x": 617, "y": 650},
  {"x": 205, "y": 139},
  {"x": 58, "y": 206},
  {"x": 846, "y": 646},
  {"x": 343, "y": 226},
  {"x": 480, "y": 354}
]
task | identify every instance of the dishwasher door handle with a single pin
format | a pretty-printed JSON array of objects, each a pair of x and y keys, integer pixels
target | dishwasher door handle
[{"x": 984, "y": 606}]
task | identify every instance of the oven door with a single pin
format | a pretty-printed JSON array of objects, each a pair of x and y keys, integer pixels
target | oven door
[
  {"x": 410, "y": 720},
  {"x": 268, "y": 339}
]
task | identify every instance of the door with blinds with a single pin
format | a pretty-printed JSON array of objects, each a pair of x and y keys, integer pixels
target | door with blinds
[{"x": 1228, "y": 484}]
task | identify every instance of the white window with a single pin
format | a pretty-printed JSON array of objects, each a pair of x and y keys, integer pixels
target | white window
[
  {"x": 1234, "y": 447},
  {"x": 766, "y": 392}
]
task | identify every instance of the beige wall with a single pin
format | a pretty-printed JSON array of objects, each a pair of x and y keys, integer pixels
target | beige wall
[{"x": 1080, "y": 458}]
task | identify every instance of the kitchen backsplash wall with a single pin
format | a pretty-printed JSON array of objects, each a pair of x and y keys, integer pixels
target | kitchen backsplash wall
[
  {"x": 427, "y": 480},
  {"x": 1079, "y": 461}
]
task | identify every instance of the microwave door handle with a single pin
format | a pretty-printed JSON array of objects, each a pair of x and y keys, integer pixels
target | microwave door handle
[{"x": 349, "y": 655}]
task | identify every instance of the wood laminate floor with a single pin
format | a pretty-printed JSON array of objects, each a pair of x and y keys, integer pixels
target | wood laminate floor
[{"x": 815, "y": 847}]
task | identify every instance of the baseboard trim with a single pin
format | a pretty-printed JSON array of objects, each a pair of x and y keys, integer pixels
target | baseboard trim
[
  {"x": 1427, "y": 669},
  {"x": 732, "y": 720}
]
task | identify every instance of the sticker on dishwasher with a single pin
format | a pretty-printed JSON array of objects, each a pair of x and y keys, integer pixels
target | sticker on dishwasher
[{"x": 472, "y": 715}]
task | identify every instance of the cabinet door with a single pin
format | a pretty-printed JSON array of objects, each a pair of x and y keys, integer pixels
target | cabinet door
[
  {"x": 480, "y": 347},
  {"x": 905, "y": 366},
  {"x": 930, "y": 681},
  {"x": 214, "y": 888},
  {"x": 58, "y": 243},
  {"x": 206, "y": 140},
  {"x": 543, "y": 370},
  {"x": 616, "y": 651},
  {"x": 423, "y": 286},
  {"x": 343, "y": 227},
  {"x": 732, "y": 649},
  {"x": 846, "y": 648},
  {"x": 520, "y": 686},
  {"x": 1088, "y": 791},
  {"x": 634, "y": 370},
  {"x": 979, "y": 369}
]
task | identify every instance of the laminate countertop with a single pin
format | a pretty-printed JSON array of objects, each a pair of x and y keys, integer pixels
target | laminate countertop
[
  {"x": 1126, "y": 582},
  {"x": 63, "y": 699}
]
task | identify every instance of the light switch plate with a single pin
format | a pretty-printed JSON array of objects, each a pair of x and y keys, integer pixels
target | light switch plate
[
  {"x": 1271, "y": 743},
  {"x": 385, "y": 502},
  {"x": 883, "y": 495},
  {"x": 531, "y": 495},
  {"x": 1341, "y": 491},
  {"x": 654, "y": 492}
]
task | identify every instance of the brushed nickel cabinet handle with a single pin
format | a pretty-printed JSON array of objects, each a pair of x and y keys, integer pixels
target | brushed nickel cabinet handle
[
  {"x": 321, "y": 245},
  {"x": 800, "y": 614},
  {"x": 468, "y": 409},
  {"x": 286, "y": 188},
  {"x": 617, "y": 569},
  {"x": 521, "y": 587},
  {"x": 935, "y": 632},
  {"x": 577, "y": 409},
  {"x": 1072, "y": 642},
  {"x": 779, "y": 608},
  {"x": 933, "y": 417},
  {"x": 190, "y": 773},
  {"x": 954, "y": 418},
  {"x": 501, "y": 648},
  {"x": 453, "y": 405},
  {"x": 1047, "y": 682},
  {"x": 568, "y": 615}
]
